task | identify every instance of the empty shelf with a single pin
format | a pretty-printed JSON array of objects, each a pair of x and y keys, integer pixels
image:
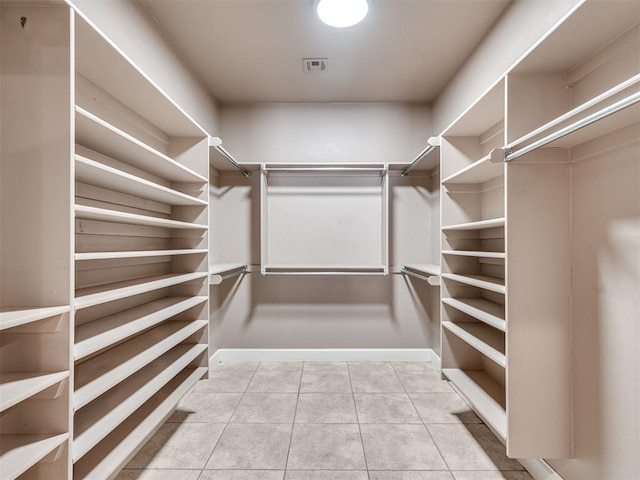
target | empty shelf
[
  {"x": 480, "y": 225},
  {"x": 486, "y": 396},
  {"x": 222, "y": 271},
  {"x": 137, "y": 254},
  {"x": 115, "y": 216},
  {"x": 103, "y": 372},
  {"x": 107, "y": 331},
  {"x": 481, "y": 171},
  {"x": 18, "y": 453},
  {"x": 486, "y": 311},
  {"x": 88, "y": 297},
  {"x": 95, "y": 173},
  {"x": 18, "y": 386},
  {"x": 131, "y": 434},
  {"x": 101, "y": 417},
  {"x": 94, "y": 133},
  {"x": 466, "y": 253},
  {"x": 15, "y": 316},
  {"x": 487, "y": 340},
  {"x": 492, "y": 284}
]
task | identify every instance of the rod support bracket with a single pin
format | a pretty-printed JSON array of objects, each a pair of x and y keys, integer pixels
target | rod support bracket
[{"x": 507, "y": 152}]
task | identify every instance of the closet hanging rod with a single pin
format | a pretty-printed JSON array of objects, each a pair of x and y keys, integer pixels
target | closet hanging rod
[
  {"x": 216, "y": 143},
  {"x": 327, "y": 272},
  {"x": 432, "y": 144},
  {"x": 321, "y": 271},
  {"x": 431, "y": 280},
  {"x": 324, "y": 169},
  {"x": 238, "y": 272},
  {"x": 509, "y": 154}
]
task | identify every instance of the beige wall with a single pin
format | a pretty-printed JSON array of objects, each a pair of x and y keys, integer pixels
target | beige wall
[
  {"x": 325, "y": 312},
  {"x": 128, "y": 24}
]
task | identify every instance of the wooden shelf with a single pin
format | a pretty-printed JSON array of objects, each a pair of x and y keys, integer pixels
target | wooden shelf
[
  {"x": 485, "y": 169},
  {"x": 18, "y": 386},
  {"x": 16, "y": 316},
  {"x": 219, "y": 272},
  {"x": 94, "y": 422},
  {"x": 492, "y": 284},
  {"x": 88, "y": 297},
  {"x": 486, "y": 311},
  {"x": 466, "y": 253},
  {"x": 479, "y": 225},
  {"x": 127, "y": 438},
  {"x": 95, "y": 173},
  {"x": 20, "y": 452},
  {"x": 105, "y": 371},
  {"x": 114, "y": 216},
  {"x": 138, "y": 254},
  {"x": 487, "y": 340},
  {"x": 96, "y": 134},
  {"x": 108, "y": 331},
  {"x": 486, "y": 396}
]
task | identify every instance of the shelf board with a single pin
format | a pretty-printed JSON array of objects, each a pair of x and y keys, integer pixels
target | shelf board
[
  {"x": 20, "y": 452},
  {"x": 18, "y": 386},
  {"x": 487, "y": 340},
  {"x": 101, "y": 417},
  {"x": 96, "y": 134},
  {"x": 88, "y": 297},
  {"x": 95, "y": 173},
  {"x": 486, "y": 311},
  {"x": 219, "y": 272},
  {"x": 114, "y": 216},
  {"x": 108, "y": 331},
  {"x": 486, "y": 396},
  {"x": 138, "y": 254},
  {"x": 479, "y": 225},
  {"x": 467, "y": 253},
  {"x": 16, "y": 316},
  {"x": 492, "y": 284},
  {"x": 481, "y": 171},
  {"x": 338, "y": 269},
  {"x": 103, "y": 372},
  {"x": 125, "y": 440}
]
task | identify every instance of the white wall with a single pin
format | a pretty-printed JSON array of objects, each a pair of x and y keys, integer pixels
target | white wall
[
  {"x": 130, "y": 26},
  {"x": 324, "y": 312},
  {"x": 518, "y": 28}
]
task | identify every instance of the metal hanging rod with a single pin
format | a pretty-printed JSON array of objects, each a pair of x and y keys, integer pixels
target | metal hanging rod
[
  {"x": 324, "y": 169},
  {"x": 241, "y": 271},
  {"x": 318, "y": 272},
  {"x": 433, "y": 144},
  {"x": 509, "y": 154},
  {"x": 432, "y": 280},
  {"x": 216, "y": 143}
]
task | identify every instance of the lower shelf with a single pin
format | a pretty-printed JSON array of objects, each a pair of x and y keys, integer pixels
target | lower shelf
[
  {"x": 493, "y": 284},
  {"x": 18, "y": 386},
  {"x": 484, "y": 310},
  {"x": 485, "y": 339},
  {"x": 486, "y": 396},
  {"x": 18, "y": 453},
  {"x": 98, "y": 419},
  {"x": 123, "y": 443}
]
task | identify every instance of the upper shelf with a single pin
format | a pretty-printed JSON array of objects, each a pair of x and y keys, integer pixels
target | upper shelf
[
  {"x": 324, "y": 270},
  {"x": 560, "y": 52},
  {"x": 115, "y": 216},
  {"x": 326, "y": 169},
  {"x": 485, "y": 113},
  {"x": 99, "y": 60},
  {"x": 96, "y": 134},
  {"x": 95, "y": 173},
  {"x": 485, "y": 169},
  {"x": 16, "y": 316}
]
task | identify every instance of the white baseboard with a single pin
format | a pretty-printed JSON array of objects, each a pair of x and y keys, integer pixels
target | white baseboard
[
  {"x": 234, "y": 355},
  {"x": 539, "y": 469}
]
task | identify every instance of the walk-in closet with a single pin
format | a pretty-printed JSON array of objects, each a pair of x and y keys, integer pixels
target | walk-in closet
[{"x": 244, "y": 240}]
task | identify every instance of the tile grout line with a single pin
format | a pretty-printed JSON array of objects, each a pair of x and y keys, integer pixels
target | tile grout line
[
  {"x": 355, "y": 407},
  {"x": 293, "y": 423},
  {"x": 229, "y": 421},
  {"x": 423, "y": 424}
]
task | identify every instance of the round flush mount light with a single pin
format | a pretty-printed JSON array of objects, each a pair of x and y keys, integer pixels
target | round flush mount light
[{"x": 341, "y": 13}]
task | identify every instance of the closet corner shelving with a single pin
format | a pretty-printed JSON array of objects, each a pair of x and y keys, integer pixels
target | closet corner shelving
[
  {"x": 506, "y": 335},
  {"x": 141, "y": 256}
]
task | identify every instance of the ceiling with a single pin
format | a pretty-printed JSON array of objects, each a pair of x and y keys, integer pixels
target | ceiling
[{"x": 252, "y": 50}]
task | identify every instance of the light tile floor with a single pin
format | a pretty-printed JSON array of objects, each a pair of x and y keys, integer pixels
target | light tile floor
[{"x": 323, "y": 421}]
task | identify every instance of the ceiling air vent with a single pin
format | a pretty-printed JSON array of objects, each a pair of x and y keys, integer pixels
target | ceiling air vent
[{"x": 315, "y": 65}]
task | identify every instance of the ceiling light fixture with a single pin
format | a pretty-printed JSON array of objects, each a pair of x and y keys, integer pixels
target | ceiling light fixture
[{"x": 341, "y": 13}]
